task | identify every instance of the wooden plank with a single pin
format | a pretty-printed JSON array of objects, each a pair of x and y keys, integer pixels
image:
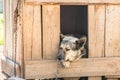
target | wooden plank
[
  {"x": 96, "y": 28},
  {"x": 112, "y": 37},
  {"x": 84, "y": 67},
  {"x": 9, "y": 26},
  {"x": 112, "y": 77},
  {"x": 36, "y": 43},
  {"x": 19, "y": 48},
  {"x": 13, "y": 25},
  {"x": 8, "y": 32},
  {"x": 96, "y": 32},
  {"x": 73, "y": 2},
  {"x": 112, "y": 40},
  {"x": 9, "y": 67},
  {"x": 27, "y": 30},
  {"x": 16, "y": 23},
  {"x": 95, "y": 78},
  {"x": 6, "y": 24},
  {"x": 19, "y": 38},
  {"x": 9, "y": 8},
  {"x": 4, "y": 10},
  {"x": 51, "y": 30}
]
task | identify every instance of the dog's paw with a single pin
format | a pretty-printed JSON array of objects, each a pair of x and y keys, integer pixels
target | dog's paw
[{"x": 66, "y": 64}]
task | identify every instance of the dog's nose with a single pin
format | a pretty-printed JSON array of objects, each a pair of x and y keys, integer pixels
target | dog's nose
[{"x": 59, "y": 57}]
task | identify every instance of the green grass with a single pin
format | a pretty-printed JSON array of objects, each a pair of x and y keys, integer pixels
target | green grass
[{"x": 1, "y": 30}]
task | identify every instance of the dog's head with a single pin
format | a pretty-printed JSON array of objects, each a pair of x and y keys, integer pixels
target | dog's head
[{"x": 71, "y": 49}]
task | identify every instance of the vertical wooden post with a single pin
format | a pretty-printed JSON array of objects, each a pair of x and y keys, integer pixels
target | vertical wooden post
[
  {"x": 4, "y": 10},
  {"x": 27, "y": 30},
  {"x": 18, "y": 40},
  {"x": 13, "y": 25},
  {"x": 51, "y": 30},
  {"x": 112, "y": 37},
  {"x": 13, "y": 39},
  {"x": 8, "y": 31},
  {"x": 36, "y": 35},
  {"x": 96, "y": 34},
  {"x": 32, "y": 32}
]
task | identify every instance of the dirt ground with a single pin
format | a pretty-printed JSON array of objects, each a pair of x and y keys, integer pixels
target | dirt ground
[{"x": 2, "y": 77}]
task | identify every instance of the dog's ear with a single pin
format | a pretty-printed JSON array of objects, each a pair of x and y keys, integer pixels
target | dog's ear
[
  {"x": 62, "y": 36},
  {"x": 81, "y": 42}
]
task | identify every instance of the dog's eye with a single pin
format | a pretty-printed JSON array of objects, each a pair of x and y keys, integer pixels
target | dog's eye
[
  {"x": 67, "y": 49},
  {"x": 60, "y": 47}
]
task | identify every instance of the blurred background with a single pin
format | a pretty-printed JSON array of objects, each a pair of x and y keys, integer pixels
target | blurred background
[
  {"x": 2, "y": 77},
  {"x": 1, "y": 23}
]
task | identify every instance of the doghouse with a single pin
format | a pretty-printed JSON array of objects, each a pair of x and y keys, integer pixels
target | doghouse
[{"x": 32, "y": 37}]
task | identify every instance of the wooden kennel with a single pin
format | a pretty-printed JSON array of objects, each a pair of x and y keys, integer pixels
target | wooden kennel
[{"x": 32, "y": 37}]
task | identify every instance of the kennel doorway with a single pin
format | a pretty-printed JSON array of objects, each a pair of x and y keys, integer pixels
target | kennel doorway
[
  {"x": 74, "y": 19},
  {"x": 38, "y": 35}
]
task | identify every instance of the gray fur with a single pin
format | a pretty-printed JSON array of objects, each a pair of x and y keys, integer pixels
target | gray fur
[{"x": 71, "y": 49}]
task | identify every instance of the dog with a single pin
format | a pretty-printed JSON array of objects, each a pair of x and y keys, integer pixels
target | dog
[{"x": 72, "y": 48}]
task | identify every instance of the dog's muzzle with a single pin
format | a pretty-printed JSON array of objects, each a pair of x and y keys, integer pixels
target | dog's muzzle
[{"x": 65, "y": 63}]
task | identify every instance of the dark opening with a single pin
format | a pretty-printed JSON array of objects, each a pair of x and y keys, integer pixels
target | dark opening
[{"x": 74, "y": 19}]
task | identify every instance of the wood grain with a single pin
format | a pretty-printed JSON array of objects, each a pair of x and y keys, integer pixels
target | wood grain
[
  {"x": 9, "y": 67},
  {"x": 27, "y": 30},
  {"x": 73, "y": 2},
  {"x": 96, "y": 32},
  {"x": 51, "y": 30},
  {"x": 112, "y": 41},
  {"x": 19, "y": 39},
  {"x": 36, "y": 35},
  {"x": 5, "y": 17},
  {"x": 13, "y": 25},
  {"x": 112, "y": 37},
  {"x": 8, "y": 31},
  {"x": 84, "y": 67},
  {"x": 113, "y": 77}
]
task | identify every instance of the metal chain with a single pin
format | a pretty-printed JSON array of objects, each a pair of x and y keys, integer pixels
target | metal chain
[
  {"x": 16, "y": 15},
  {"x": 58, "y": 67},
  {"x": 15, "y": 36}
]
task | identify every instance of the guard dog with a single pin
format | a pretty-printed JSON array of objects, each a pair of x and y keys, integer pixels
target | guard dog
[{"x": 71, "y": 49}]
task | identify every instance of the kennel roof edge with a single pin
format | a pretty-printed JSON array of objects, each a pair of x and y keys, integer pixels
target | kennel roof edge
[{"x": 72, "y": 2}]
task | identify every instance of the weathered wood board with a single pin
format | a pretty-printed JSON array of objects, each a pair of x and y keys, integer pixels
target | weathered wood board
[
  {"x": 72, "y": 2},
  {"x": 27, "y": 30},
  {"x": 51, "y": 30},
  {"x": 9, "y": 67},
  {"x": 96, "y": 32},
  {"x": 37, "y": 34},
  {"x": 84, "y": 67},
  {"x": 8, "y": 30},
  {"x": 112, "y": 37}
]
